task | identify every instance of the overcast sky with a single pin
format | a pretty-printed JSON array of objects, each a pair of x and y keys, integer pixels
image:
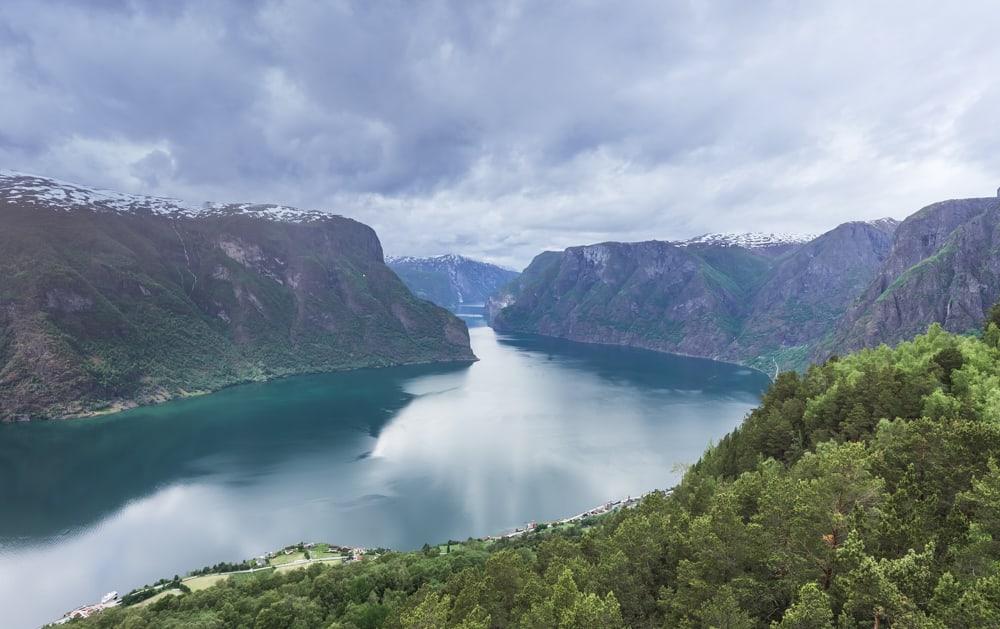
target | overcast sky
[{"x": 498, "y": 130}]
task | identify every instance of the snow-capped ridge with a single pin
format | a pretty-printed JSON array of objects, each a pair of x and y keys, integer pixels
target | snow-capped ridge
[
  {"x": 48, "y": 192},
  {"x": 749, "y": 240},
  {"x": 885, "y": 223}
]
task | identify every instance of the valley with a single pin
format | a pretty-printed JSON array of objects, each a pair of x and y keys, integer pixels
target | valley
[
  {"x": 499, "y": 315},
  {"x": 348, "y": 402}
]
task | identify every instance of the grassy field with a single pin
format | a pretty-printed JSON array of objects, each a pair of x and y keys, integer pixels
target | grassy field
[
  {"x": 248, "y": 575},
  {"x": 322, "y": 551},
  {"x": 163, "y": 594},
  {"x": 288, "y": 567},
  {"x": 281, "y": 559},
  {"x": 204, "y": 582},
  {"x": 443, "y": 548}
]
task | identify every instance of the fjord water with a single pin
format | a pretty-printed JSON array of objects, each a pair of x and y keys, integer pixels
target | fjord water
[{"x": 538, "y": 429}]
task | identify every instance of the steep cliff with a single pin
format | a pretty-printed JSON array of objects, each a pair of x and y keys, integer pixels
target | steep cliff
[
  {"x": 944, "y": 266},
  {"x": 808, "y": 291}
]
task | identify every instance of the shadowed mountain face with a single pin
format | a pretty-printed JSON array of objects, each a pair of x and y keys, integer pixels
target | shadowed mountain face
[
  {"x": 451, "y": 281},
  {"x": 111, "y": 300},
  {"x": 734, "y": 300}
]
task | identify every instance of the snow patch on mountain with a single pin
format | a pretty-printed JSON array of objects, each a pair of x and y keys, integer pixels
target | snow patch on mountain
[
  {"x": 886, "y": 224},
  {"x": 450, "y": 280},
  {"x": 18, "y": 188},
  {"x": 749, "y": 240},
  {"x": 441, "y": 261}
]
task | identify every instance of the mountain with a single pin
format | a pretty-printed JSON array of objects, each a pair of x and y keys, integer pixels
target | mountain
[
  {"x": 450, "y": 281},
  {"x": 731, "y": 297},
  {"x": 656, "y": 295},
  {"x": 109, "y": 300},
  {"x": 944, "y": 266}
]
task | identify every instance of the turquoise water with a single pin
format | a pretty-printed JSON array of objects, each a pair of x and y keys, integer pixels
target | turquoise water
[{"x": 537, "y": 429}]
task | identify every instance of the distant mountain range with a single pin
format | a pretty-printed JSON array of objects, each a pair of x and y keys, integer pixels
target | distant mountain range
[
  {"x": 451, "y": 281},
  {"x": 108, "y": 300},
  {"x": 771, "y": 301}
]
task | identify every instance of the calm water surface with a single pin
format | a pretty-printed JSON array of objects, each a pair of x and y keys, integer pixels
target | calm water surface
[{"x": 538, "y": 429}]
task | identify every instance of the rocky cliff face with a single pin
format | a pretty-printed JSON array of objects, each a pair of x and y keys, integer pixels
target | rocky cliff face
[
  {"x": 110, "y": 300},
  {"x": 451, "y": 281},
  {"x": 735, "y": 299},
  {"x": 944, "y": 267},
  {"x": 655, "y": 295}
]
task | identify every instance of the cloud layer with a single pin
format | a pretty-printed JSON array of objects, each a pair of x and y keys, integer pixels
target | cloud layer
[{"x": 501, "y": 129}]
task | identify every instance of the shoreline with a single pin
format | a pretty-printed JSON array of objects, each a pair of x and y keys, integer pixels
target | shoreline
[
  {"x": 640, "y": 348},
  {"x": 121, "y": 406},
  {"x": 262, "y": 563}
]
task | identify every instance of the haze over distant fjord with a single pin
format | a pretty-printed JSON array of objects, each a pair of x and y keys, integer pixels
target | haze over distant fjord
[{"x": 498, "y": 130}]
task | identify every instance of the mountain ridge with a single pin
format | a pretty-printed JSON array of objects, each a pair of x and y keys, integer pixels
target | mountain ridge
[
  {"x": 56, "y": 194},
  {"x": 773, "y": 241},
  {"x": 944, "y": 267}
]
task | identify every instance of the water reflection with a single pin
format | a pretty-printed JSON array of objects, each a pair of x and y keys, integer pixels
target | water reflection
[
  {"x": 537, "y": 429},
  {"x": 62, "y": 476}
]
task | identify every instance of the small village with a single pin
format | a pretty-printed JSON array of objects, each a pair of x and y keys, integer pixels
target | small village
[{"x": 111, "y": 599}]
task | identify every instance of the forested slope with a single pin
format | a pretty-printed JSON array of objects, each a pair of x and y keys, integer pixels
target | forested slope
[{"x": 863, "y": 493}]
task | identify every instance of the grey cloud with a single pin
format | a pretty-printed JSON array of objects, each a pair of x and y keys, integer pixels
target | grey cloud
[{"x": 503, "y": 128}]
